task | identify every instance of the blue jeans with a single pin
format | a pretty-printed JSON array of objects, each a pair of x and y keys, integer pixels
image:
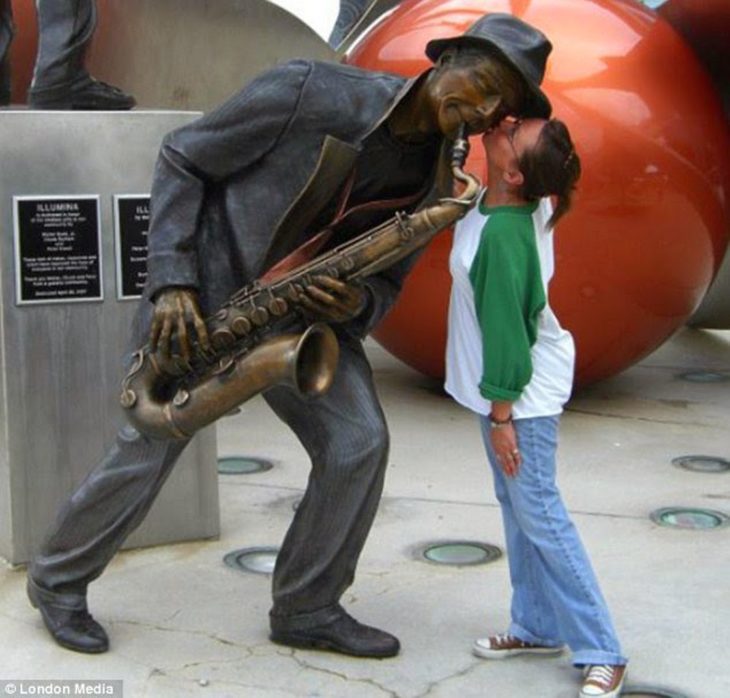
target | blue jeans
[{"x": 555, "y": 595}]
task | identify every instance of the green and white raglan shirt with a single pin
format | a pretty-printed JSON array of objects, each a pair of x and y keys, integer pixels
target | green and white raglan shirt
[{"x": 504, "y": 341}]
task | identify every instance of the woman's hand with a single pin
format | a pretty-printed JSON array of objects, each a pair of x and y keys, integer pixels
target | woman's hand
[{"x": 504, "y": 443}]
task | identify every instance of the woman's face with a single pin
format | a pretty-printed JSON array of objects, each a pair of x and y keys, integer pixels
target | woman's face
[{"x": 510, "y": 139}]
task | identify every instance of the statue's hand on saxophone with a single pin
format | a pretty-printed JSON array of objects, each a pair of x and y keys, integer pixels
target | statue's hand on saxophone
[
  {"x": 176, "y": 317},
  {"x": 332, "y": 300}
]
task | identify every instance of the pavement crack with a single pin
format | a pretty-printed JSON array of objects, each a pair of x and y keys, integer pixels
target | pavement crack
[
  {"x": 249, "y": 652},
  {"x": 174, "y": 615},
  {"x": 635, "y": 418},
  {"x": 340, "y": 675},
  {"x": 208, "y": 662},
  {"x": 162, "y": 628},
  {"x": 264, "y": 688},
  {"x": 151, "y": 674},
  {"x": 495, "y": 505},
  {"x": 438, "y": 683}
]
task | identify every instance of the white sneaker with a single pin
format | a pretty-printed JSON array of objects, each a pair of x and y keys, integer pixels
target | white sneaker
[
  {"x": 603, "y": 681},
  {"x": 505, "y": 645}
]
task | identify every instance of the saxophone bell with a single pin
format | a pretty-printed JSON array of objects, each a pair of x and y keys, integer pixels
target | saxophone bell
[{"x": 160, "y": 408}]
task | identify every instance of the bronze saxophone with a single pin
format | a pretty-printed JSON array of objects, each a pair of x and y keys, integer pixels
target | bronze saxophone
[{"x": 174, "y": 399}]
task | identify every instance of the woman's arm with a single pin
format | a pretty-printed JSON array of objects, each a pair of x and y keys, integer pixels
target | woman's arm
[{"x": 509, "y": 296}]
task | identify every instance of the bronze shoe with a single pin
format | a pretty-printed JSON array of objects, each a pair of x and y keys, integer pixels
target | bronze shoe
[
  {"x": 68, "y": 620},
  {"x": 343, "y": 634},
  {"x": 93, "y": 95}
]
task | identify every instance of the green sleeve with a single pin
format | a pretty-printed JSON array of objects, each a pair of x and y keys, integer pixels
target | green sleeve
[{"x": 508, "y": 296}]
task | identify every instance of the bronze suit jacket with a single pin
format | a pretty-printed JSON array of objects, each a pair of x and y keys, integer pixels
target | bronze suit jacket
[{"x": 234, "y": 190}]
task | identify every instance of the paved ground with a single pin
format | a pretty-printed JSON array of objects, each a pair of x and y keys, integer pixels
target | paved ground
[{"x": 183, "y": 624}]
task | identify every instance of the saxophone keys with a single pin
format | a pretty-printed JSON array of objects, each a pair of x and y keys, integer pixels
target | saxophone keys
[
  {"x": 405, "y": 229},
  {"x": 225, "y": 365},
  {"x": 292, "y": 293},
  {"x": 221, "y": 315},
  {"x": 241, "y": 326},
  {"x": 295, "y": 291},
  {"x": 181, "y": 397},
  {"x": 259, "y": 316},
  {"x": 278, "y": 307},
  {"x": 128, "y": 399},
  {"x": 137, "y": 361},
  {"x": 222, "y": 338}
]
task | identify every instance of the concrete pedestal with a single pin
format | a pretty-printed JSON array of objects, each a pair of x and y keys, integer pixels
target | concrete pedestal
[
  {"x": 60, "y": 362},
  {"x": 714, "y": 311}
]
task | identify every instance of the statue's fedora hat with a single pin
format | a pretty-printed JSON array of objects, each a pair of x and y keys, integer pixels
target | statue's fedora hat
[{"x": 522, "y": 46}]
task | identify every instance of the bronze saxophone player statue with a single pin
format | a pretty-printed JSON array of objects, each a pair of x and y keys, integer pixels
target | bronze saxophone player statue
[
  {"x": 308, "y": 152},
  {"x": 174, "y": 399}
]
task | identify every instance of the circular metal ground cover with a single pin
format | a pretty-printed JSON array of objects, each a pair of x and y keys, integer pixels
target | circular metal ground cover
[
  {"x": 704, "y": 376},
  {"x": 459, "y": 552},
  {"x": 702, "y": 464},
  {"x": 243, "y": 465},
  {"x": 693, "y": 518},
  {"x": 259, "y": 560}
]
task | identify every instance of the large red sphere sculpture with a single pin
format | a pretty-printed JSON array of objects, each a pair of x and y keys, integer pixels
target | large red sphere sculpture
[
  {"x": 649, "y": 227},
  {"x": 706, "y": 27},
  {"x": 23, "y": 49}
]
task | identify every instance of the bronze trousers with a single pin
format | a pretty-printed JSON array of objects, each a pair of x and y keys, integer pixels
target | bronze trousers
[
  {"x": 65, "y": 28},
  {"x": 344, "y": 434}
]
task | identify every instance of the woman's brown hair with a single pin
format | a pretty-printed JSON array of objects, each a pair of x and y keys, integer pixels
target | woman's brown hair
[{"x": 551, "y": 168}]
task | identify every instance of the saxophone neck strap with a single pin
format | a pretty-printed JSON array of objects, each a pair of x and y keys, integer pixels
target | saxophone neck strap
[{"x": 346, "y": 220}]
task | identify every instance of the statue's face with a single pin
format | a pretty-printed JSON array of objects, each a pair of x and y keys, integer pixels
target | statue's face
[{"x": 480, "y": 96}]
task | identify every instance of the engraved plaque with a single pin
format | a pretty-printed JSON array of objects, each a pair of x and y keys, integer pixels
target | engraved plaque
[
  {"x": 131, "y": 223},
  {"x": 57, "y": 249}
]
